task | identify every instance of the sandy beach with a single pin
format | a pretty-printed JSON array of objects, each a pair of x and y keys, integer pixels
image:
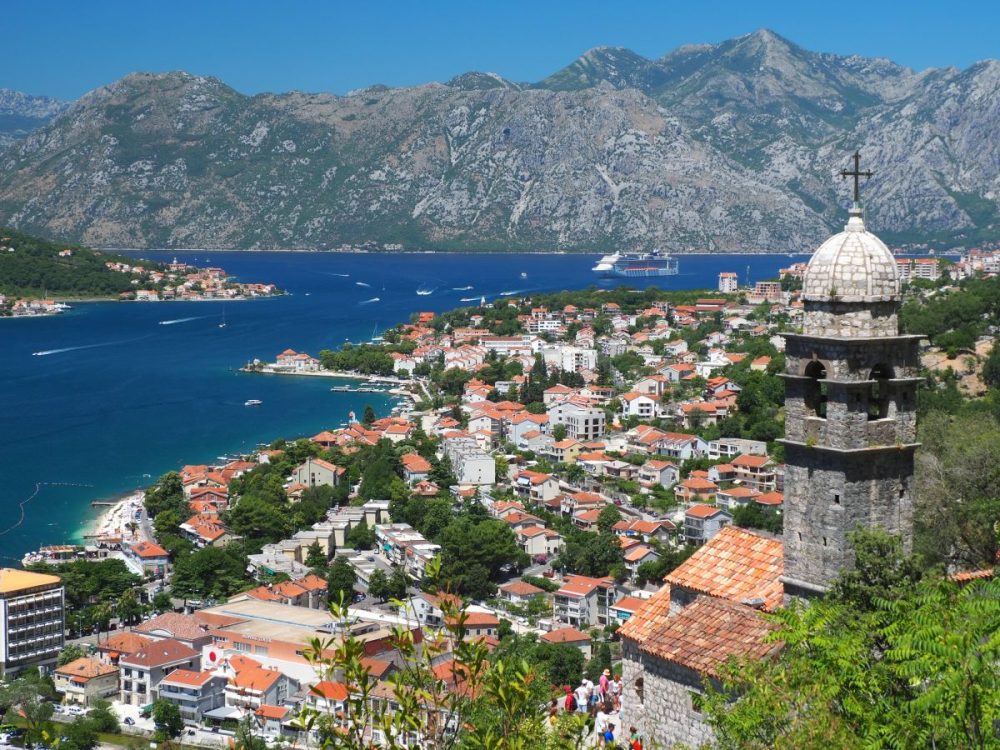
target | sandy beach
[{"x": 112, "y": 523}]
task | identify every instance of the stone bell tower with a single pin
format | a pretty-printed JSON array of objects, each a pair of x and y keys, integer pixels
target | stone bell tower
[{"x": 850, "y": 407}]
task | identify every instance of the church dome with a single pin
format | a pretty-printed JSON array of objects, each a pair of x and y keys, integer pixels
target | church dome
[{"x": 853, "y": 266}]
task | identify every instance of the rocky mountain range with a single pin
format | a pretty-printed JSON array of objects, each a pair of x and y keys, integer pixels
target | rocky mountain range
[
  {"x": 22, "y": 113},
  {"x": 733, "y": 147}
]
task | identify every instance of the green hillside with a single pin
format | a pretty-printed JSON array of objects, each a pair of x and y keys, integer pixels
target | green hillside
[{"x": 32, "y": 267}]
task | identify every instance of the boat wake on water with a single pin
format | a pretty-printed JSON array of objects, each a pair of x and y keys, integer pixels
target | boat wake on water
[
  {"x": 468, "y": 299},
  {"x": 47, "y": 352},
  {"x": 361, "y": 283},
  {"x": 424, "y": 291},
  {"x": 461, "y": 288},
  {"x": 180, "y": 320},
  {"x": 369, "y": 301}
]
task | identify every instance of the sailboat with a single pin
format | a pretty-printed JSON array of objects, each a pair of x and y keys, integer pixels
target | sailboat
[{"x": 223, "y": 323}]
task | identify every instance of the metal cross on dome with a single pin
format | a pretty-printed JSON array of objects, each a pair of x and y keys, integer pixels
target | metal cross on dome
[{"x": 857, "y": 174}]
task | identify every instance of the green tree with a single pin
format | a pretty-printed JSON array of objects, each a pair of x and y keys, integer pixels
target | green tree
[
  {"x": 361, "y": 537},
  {"x": 259, "y": 520},
  {"x": 166, "y": 494},
  {"x": 397, "y": 583},
  {"x": 27, "y": 700},
  {"x": 72, "y": 652},
  {"x": 210, "y": 573},
  {"x": 608, "y": 517},
  {"x": 340, "y": 580},
  {"x": 162, "y": 602},
  {"x": 599, "y": 662},
  {"x": 991, "y": 368},
  {"x": 315, "y": 556},
  {"x": 103, "y": 717},
  {"x": 167, "y": 720},
  {"x": 752, "y": 516},
  {"x": 128, "y": 608},
  {"x": 957, "y": 502},
  {"x": 884, "y": 661},
  {"x": 559, "y": 432},
  {"x": 79, "y": 734},
  {"x": 562, "y": 662},
  {"x": 369, "y": 414},
  {"x": 378, "y": 585}
]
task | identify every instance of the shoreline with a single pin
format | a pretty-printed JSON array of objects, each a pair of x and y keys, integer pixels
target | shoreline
[
  {"x": 804, "y": 254},
  {"x": 346, "y": 375},
  {"x": 110, "y": 523},
  {"x": 686, "y": 253}
]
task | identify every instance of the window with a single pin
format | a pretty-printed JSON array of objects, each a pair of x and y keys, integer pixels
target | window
[
  {"x": 836, "y": 498},
  {"x": 640, "y": 688},
  {"x": 815, "y": 396},
  {"x": 878, "y": 392}
]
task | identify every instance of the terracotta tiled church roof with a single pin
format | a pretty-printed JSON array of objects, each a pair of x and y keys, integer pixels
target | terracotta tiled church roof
[
  {"x": 737, "y": 565},
  {"x": 651, "y": 615},
  {"x": 708, "y": 632}
]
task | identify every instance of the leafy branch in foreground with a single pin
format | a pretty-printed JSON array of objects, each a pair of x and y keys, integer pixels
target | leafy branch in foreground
[
  {"x": 905, "y": 664},
  {"x": 445, "y": 693}
]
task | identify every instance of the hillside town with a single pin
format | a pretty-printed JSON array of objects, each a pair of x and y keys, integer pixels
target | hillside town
[
  {"x": 616, "y": 483},
  {"x": 37, "y": 277},
  {"x": 183, "y": 282}
]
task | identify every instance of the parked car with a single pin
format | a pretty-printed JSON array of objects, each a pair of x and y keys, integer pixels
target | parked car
[{"x": 129, "y": 721}]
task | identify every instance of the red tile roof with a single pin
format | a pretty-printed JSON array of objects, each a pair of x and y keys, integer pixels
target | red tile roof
[
  {"x": 751, "y": 461},
  {"x": 707, "y": 633},
  {"x": 85, "y": 668},
  {"x": 737, "y": 565},
  {"x": 564, "y": 635},
  {"x": 148, "y": 550},
  {"x": 521, "y": 588},
  {"x": 629, "y": 604},
  {"x": 159, "y": 653},
  {"x": 703, "y": 511},
  {"x": 335, "y": 691},
  {"x": 272, "y": 712},
  {"x": 187, "y": 677}
]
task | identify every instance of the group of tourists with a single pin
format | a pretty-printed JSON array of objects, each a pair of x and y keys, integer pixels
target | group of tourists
[{"x": 603, "y": 702}]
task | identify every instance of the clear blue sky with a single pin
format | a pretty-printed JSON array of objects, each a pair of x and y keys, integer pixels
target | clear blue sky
[{"x": 66, "y": 47}]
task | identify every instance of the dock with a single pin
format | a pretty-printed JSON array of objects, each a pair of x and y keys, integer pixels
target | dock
[{"x": 103, "y": 504}]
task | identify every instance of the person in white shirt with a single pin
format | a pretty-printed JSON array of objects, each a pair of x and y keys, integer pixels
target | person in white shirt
[
  {"x": 591, "y": 694},
  {"x": 582, "y": 697}
]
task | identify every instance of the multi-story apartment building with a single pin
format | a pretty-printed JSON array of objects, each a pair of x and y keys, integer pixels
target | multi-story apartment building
[
  {"x": 32, "y": 612},
  {"x": 583, "y": 602},
  {"x": 142, "y": 672},
  {"x": 194, "y": 693},
  {"x": 582, "y": 421},
  {"x": 470, "y": 463},
  {"x": 728, "y": 282}
]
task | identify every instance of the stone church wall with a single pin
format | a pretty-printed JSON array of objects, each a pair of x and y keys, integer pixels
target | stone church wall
[{"x": 661, "y": 706}]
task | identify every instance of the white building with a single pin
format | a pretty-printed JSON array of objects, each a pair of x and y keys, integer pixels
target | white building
[
  {"x": 583, "y": 422},
  {"x": 31, "y": 620},
  {"x": 470, "y": 463},
  {"x": 728, "y": 282},
  {"x": 569, "y": 358}
]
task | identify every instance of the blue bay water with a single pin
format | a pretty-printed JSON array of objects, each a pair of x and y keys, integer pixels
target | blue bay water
[{"x": 116, "y": 398}]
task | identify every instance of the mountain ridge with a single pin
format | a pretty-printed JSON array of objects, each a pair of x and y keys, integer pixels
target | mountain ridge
[{"x": 727, "y": 147}]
